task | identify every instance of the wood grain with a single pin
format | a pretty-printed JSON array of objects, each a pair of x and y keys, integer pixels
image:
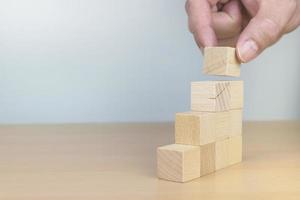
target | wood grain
[
  {"x": 199, "y": 128},
  {"x": 179, "y": 163},
  {"x": 236, "y": 123},
  {"x": 194, "y": 128},
  {"x": 235, "y": 146},
  {"x": 228, "y": 152},
  {"x": 221, "y": 61},
  {"x": 216, "y": 96},
  {"x": 222, "y": 152},
  {"x": 207, "y": 159}
]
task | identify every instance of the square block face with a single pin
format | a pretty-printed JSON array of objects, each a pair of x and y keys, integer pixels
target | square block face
[
  {"x": 179, "y": 163},
  {"x": 221, "y": 61},
  {"x": 216, "y": 96},
  {"x": 207, "y": 156}
]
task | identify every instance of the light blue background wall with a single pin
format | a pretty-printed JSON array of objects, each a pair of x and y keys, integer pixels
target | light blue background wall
[{"x": 115, "y": 60}]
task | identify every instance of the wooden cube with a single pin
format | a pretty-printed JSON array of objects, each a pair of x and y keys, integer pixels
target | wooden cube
[
  {"x": 178, "y": 162},
  {"x": 216, "y": 96},
  {"x": 194, "y": 128},
  {"x": 228, "y": 152},
  {"x": 223, "y": 125},
  {"x": 200, "y": 128},
  {"x": 221, "y": 61},
  {"x": 207, "y": 157}
]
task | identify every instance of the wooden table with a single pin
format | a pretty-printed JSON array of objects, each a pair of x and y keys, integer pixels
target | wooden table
[{"x": 118, "y": 161}]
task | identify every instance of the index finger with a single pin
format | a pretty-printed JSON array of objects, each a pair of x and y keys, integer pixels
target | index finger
[{"x": 200, "y": 22}]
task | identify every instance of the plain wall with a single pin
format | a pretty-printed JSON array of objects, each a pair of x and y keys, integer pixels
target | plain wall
[{"x": 115, "y": 60}]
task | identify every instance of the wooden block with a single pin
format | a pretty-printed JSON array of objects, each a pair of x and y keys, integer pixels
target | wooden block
[
  {"x": 194, "y": 128},
  {"x": 216, "y": 96},
  {"x": 223, "y": 125},
  {"x": 200, "y": 128},
  {"x": 221, "y": 61},
  {"x": 235, "y": 145},
  {"x": 228, "y": 152},
  {"x": 178, "y": 162},
  {"x": 222, "y": 151},
  {"x": 207, "y": 157}
]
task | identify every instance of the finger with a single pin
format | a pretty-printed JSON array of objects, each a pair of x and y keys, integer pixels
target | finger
[
  {"x": 251, "y": 6},
  {"x": 264, "y": 29},
  {"x": 228, "y": 42},
  {"x": 295, "y": 20},
  {"x": 228, "y": 23},
  {"x": 200, "y": 22}
]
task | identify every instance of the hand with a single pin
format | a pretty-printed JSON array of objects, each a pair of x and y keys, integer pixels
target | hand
[{"x": 249, "y": 25}]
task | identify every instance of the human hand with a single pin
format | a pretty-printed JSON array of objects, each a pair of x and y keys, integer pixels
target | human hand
[{"x": 249, "y": 25}]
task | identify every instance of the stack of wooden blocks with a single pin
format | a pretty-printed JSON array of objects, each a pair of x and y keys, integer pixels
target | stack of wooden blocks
[{"x": 209, "y": 137}]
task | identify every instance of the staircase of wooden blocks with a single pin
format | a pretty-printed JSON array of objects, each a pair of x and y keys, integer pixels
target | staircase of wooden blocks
[{"x": 209, "y": 137}]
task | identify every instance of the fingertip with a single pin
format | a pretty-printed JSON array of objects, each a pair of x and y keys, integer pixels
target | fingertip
[{"x": 247, "y": 50}]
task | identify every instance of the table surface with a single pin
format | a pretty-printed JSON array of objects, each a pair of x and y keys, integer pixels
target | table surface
[{"x": 118, "y": 161}]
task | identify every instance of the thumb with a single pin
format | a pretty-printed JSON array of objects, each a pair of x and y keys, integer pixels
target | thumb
[{"x": 264, "y": 29}]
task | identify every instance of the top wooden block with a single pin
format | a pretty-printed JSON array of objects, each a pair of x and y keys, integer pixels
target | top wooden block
[{"x": 221, "y": 61}]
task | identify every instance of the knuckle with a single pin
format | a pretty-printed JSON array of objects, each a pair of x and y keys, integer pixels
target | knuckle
[
  {"x": 268, "y": 32},
  {"x": 271, "y": 30}
]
